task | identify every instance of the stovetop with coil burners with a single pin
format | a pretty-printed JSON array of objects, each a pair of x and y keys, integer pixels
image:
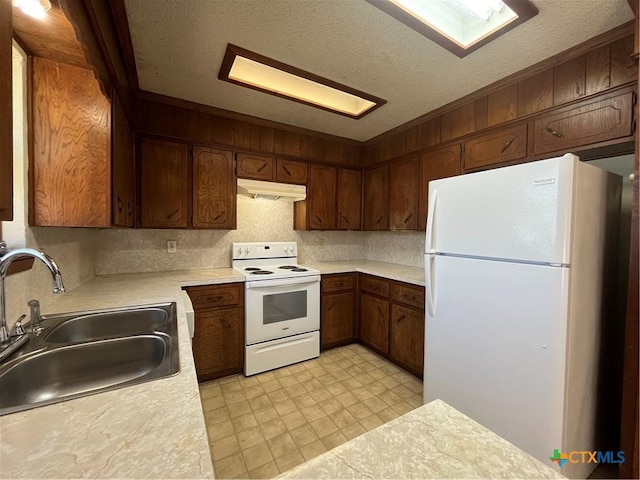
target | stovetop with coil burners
[{"x": 258, "y": 261}]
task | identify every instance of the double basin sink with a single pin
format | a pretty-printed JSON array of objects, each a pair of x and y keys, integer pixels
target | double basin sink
[{"x": 83, "y": 353}]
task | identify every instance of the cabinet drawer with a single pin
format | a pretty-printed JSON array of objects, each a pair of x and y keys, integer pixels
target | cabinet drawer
[
  {"x": 256, "y": 167},
  {"x": 289, "y": 171},
  {"x": 337, "y": 283},
  {"x": 408, "y": 294},
  {"x": 502, "y": 146},
  {"x": 209, "y": 296},
  {"x": 584, "y": 124},
  {"x": 375, "y": 285}
]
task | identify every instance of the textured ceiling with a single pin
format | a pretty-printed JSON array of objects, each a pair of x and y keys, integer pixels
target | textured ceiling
[{"x": 179, "y": 45}]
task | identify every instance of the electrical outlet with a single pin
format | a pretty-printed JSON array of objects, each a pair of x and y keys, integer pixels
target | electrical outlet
[
  {"x": 172, "y": 246},
  {"x": 321, "y": 241}
]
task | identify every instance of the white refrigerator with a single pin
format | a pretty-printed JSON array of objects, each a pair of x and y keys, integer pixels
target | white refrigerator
[{"x": 515, "y": 266}]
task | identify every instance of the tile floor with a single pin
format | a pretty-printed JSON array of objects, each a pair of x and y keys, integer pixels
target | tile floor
[{"x": 263, "y": 425}]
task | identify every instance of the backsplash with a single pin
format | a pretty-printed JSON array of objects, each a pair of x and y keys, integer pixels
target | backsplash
[
  {"x": 405, "y": 248},
  {"x": 128, "y": 251}
]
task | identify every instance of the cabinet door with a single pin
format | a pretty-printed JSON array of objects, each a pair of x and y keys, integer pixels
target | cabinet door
[
  {"x": 289, "y": 171},
  {"x": 374, "y": 322},
  {"x": 6, "y": 96},
  {"x": 403, "y": 195},
  {"x": 584, "y": 124},
  {"x": 321, "y": 198},
  {"x": 407, "y": 337},
  {"x": 256, "y": 167},
  {"x": 440, "y": 163},
  {"x": 218, "y": 343},
  {"x": 163, "y": 184},
  {"x": 505, "y": 145},
  {"x": 337, "y": 324},
  {"x": 122, "y": 165},
  {"x": 349, "y": 199},
  {"x": 214, "y": 189},
  {"x": 375, "y": 207}
]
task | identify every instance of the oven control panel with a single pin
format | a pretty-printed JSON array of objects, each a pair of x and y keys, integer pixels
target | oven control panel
[{"x": 256, "y": 250}]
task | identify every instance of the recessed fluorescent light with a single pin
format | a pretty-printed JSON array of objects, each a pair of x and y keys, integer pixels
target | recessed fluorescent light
[
  {"x": 258, "y": 72},
  {"x": 460, "y": 26}
]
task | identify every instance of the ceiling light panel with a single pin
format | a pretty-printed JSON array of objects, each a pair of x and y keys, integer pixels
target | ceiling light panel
[{"x": 255, "y": 71}]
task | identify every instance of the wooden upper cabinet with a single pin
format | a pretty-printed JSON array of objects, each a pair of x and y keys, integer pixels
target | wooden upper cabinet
[
  {"x": 122, "y": 167},
  {"x": 440, "y": 163},
  {"x": 504, "y": 145},
  {"x": 569, "y": 80},
  {"x": 214, "y": 189},
  {"x": 6, "y": 132},
  {"x": 583, "y": 124},
  {"x": 403, "y": 194},
  {"x": 256, "y": 167},
  {"x": 290, "y": 171},
  {"x": 349, "y": 199},
  {"x": 164, "y": 168},
  {"x": 71, "y": 161},
  {"x": 376, "y": 194},
  {"x": 321, "y": 198}
]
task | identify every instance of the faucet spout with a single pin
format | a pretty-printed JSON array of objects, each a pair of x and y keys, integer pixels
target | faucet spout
[{"x": 6, "y": 258}]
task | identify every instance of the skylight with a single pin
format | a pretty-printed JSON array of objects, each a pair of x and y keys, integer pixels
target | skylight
[
  {"x": 255, "y": 71},
  {"x": 461, "y": 26}
]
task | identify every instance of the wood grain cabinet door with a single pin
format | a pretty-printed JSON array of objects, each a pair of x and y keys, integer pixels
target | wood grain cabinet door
[
  {"x": 584, "y": 124},
  {"x": 375, "y": 205},
  {"x": 214, "y": 189},
  {"x": 321, "y": 197},
  {"x": 403, "y": 194},
  {"x": 218, "y": 342},
  {"x": 505, "y": 145},
  {"x": 256, "y": 167},
  {"x": 290, "y": 171},
  {"x": 122, "y": 166},
  {"x": 440, "y": 163},
  {"x": 407, "y": 338},
  {"x": 337, "y": 318},
  {"x": 374, "y": 322},
  {"x": 6, "y": 96},
  {"x": 163, "y": 184},
  {"x": 349, "y": 199}
]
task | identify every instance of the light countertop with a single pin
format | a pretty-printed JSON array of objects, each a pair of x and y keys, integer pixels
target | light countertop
[
  {"x": 155, "y": 429},
  {"x": 432, "y": 441}
]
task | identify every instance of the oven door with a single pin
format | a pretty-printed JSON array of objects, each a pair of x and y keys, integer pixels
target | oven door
[{"x": 281, "y": 308}]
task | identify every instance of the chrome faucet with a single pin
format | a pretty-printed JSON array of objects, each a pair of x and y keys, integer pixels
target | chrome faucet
[{"x": 6, "y": 258}]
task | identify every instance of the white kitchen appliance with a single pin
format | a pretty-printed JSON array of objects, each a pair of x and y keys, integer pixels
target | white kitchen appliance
[
  {"x": 514, "y": 271},
  {"x": 282, "y": 305}
]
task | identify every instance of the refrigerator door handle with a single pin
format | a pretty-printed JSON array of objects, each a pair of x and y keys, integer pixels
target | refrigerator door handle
[
  {"x": 433, "y": 198},
  {"x": 429, "y": 287}
]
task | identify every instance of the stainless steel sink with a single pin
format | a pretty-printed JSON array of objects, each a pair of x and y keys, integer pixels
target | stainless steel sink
[
  {"x": 84, "y": 353},
  {"x": 96, "y": 326}
]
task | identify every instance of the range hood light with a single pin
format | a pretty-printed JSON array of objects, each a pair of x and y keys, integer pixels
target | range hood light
[{"x": 257, "y": 189}]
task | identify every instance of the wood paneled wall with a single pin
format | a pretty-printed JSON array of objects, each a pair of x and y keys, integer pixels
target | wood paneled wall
[
  {"x": 595, "y": 71},
  {"x": 6, "y": 114},
  {"x": 190, "y": 124}
]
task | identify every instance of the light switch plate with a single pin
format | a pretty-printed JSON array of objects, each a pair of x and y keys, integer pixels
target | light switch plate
[{"x": 172, "y": 246}]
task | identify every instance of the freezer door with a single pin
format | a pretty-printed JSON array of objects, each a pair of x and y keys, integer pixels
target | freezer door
[
  {"x": 519, "y": 213},
  {"x": 495, "y": 348}
]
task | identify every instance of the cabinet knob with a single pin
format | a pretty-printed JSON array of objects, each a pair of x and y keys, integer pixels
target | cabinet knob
[
  {"x": 507, "y": 145},
  {"x": 555, "y": 133},
  {"x": 286, "y": 170}
]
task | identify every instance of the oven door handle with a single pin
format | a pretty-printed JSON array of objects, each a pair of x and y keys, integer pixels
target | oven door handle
[{"x": 284, "y": 281}]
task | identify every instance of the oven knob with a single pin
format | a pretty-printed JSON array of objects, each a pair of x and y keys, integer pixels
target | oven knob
[
  {"x": 239, "y": 251},
  {"x": 246, "y": 250}
]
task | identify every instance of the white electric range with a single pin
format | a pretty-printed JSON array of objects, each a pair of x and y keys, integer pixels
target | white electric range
[{"x": 282, "y": 305}]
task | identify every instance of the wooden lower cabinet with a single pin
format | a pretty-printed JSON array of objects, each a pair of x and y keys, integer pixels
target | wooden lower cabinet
[
  {"x": 338, "y": 310},
  {"x": 374, "y": 322},
  {"x": 406, "y": 345},
  {"x": 218, "y": 339}
]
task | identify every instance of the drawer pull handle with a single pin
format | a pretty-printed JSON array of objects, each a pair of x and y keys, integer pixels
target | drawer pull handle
[
  {"x": 346, "y": 220},
  {"x": 129, "y": 209},
  {"x": 331, "y": 306},
  {"x": 217, "y": 217},
  {"x": 380, "y": 219},
  {"x": 553, "y": 132},
  {"x": 225, "y": 324},
  {"x": 318, "y": 218},
  {"x": 286, "y": 170},
  {"x": 507, "y": 145},
  {"x": 400, "y": 318},
  {"x": 410, "y": 297},
  {"x": 262, "y": 167},
  {"x": 215, "y": 299},
  {"x": 408, "y": 218},
  {"x": 379, "y": 311},
  {"x": 120, "y": 204},
  {"x": 172, "y": 213},
  {"x": 341, "y": 284}
]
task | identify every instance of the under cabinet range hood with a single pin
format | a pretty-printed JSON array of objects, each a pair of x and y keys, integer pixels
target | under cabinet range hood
[{"x": 272, "y": 190}]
